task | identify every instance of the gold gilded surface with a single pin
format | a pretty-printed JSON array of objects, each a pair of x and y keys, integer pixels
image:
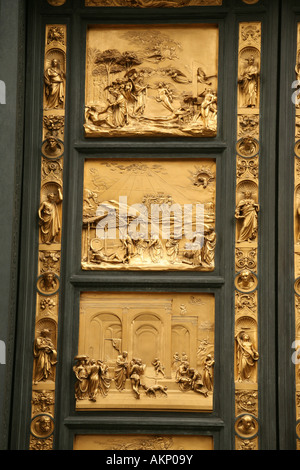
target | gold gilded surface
[
  {"x": 151, "y": 80},
  {"x": 142, "y": 442},
  {"x": 297, "y": 244},
  {"x": 145, "y": 352},
  {"x": 247, "y": 214},
  {"x": 246, "y": 444},
  {"x": 151, "y": 3},
  {"x": 56, "y": 3},
  {"x": 149, "y": 215},
  {"x": 49, "y": 215}
]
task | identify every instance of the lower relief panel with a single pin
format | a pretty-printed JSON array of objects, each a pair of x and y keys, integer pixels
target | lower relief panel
[
  {"x": 142, "y": 442},
  {"x": 145, "y": 352}
]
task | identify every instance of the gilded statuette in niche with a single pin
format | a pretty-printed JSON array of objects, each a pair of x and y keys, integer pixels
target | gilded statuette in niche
[
  {"x": 45, "y": 356},
  {"x": 54, "y": 85},
  {"x": 247, "y": 216},
  {"x": 249, "y": 78},
  {"x": 247, "y": 356},
  {"x": 145, "y": 354},
  {"x": 49, "y": 215},
  {"x": 148, "y": 81},
  {"x": 149, "y": 215}
]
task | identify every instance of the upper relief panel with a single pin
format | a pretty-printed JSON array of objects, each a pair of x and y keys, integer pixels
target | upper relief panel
[{"x": 151, "y": 81}]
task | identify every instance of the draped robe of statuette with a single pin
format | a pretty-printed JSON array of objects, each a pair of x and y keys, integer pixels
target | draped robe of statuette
[
  {"x": 45, "y": 356},
  {"x": 81, "y": 386},
  {"x": 249, "y": 84},
  {"x": 54, "y": 86},
  {"x": 247, "y": 210},
  {"x": 49, "y": 220},
  {"x": 246, "y": 356}
]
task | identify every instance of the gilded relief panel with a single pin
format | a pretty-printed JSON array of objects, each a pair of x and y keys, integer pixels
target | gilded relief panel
[
  {"x": 151, "y": 3},
  {"x": 142, "y": 442},
  {"x": 149, "y": 215},
  {"x": 151, "y": 81},
  {"x": 145, "y": 351}
]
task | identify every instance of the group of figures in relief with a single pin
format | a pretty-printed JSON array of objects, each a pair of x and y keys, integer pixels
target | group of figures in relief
[
  {"x": 137, "y": 95},
  {"x": 157, "y": 251},
  {"x": 95, "y": 377},
  {"x": 159, "y": 230}
]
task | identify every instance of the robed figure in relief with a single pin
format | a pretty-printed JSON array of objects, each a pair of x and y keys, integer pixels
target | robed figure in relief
[
  {"x": 82, "y": 376},
  {"x": 121, "y": 371},
  {"x": 246, "y": 356},
  {"x": 54, "y": 86},
  {"x": 45, "y": 356},
  {"x": 49, "y": 218},
  {"x": 247, "y": 210},
  {"x": 249, "y": 83}
]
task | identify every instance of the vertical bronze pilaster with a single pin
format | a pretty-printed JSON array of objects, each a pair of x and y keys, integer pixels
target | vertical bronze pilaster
[
  {"x": 247, "y": 237},
  {"x": 45, "y": 355}
]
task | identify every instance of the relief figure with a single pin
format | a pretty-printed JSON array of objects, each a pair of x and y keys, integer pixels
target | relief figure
[
  {"x": 208, "y": 373},
  {"x": 93, "y": 380},
  {"x": 137, "y": 368},
  {"x": 45, "y": 357},
  {"x": 247, "y": 210},
  {"x": 104, "y": 380},
  {"x": 49, "y": 218},
  {"x": 52, "y": 147},
  {"x": 82, "y": 376},
  {"x": 159, "y": 368},
  {"x": 246, "y": 356},
  {"x": 246, "y": 281},
  {"x": 209, "y": 246},
  {"x": 249, "y": 83},
  {"x": 121, "y": 371},
  {"x": 54, "y": 86}
]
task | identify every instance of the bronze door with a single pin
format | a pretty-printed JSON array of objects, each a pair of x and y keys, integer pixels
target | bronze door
[{"x": 155, "y": 279}]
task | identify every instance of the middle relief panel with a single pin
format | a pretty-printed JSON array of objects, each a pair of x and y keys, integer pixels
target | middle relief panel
[{"x": 154, "y": 214}]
